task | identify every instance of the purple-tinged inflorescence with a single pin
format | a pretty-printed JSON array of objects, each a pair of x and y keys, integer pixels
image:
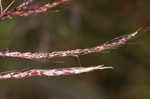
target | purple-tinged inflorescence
[
  {"x": 25, "y": 12},
  {"x": 51, "y": 72},
  {"x": 108, "y": 45}
]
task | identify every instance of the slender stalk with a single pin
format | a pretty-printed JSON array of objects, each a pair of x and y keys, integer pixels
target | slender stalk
[
  {"x": 6, "y": 9},
  {"x": 1, "y": 6}
]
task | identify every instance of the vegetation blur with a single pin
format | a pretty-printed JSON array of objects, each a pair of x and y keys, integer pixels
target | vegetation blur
[{"x": 79, "y": 24}]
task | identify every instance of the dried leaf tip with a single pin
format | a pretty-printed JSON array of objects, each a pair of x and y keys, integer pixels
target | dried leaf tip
[{"x": 103, "y": 67}]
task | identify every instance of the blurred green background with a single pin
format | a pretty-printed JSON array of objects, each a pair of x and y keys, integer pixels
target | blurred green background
[{"x": 79, "y": 24}]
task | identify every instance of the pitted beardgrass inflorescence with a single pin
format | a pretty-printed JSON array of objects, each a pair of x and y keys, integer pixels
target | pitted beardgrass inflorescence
[{"x": 23, "y": 10}]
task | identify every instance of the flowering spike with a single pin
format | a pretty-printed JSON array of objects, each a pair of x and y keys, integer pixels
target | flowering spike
[
  {"x": 51, "y": 72},
  {"x": 108, "y": 45},
  {"x": 21, "y": 11}
]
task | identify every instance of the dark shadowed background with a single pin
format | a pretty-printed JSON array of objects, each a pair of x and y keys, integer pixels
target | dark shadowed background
[{"x": 79, "y": 24}]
